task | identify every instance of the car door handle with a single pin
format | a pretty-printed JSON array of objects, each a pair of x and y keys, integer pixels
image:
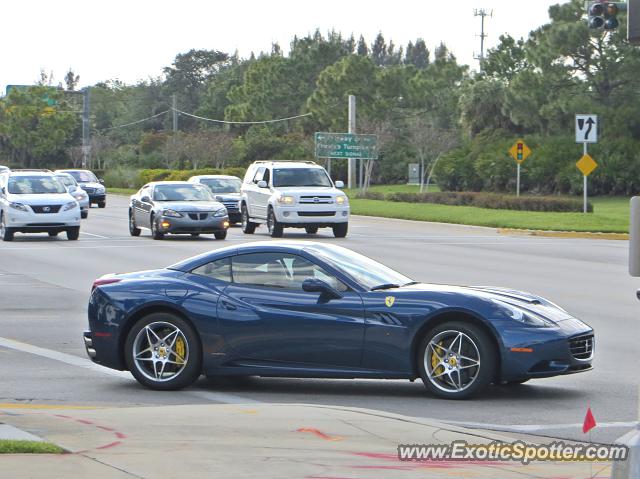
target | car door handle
[{"x": 229, "y": 306}]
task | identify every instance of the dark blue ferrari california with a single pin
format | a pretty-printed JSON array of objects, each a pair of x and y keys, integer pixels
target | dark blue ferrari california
[{"x": 313, "y": 310}]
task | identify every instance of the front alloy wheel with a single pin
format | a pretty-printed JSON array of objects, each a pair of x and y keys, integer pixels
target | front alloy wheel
[
  {"x": 275, "y": 228},
  {"x": 456, "y": 360},
  {"x": 156, "y": 234},
  {"x": 163, "y": 352}
]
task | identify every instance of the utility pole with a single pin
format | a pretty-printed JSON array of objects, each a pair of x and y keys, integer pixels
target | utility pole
[
  {"x": 174, "y": 109},
  {"x": 85, "y": 128},
  {"x": 482, "y": 13},
  {"x": 352, "y": 129}
]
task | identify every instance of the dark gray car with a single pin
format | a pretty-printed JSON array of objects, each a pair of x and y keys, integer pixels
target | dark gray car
[{"x": 177, "y": 207}]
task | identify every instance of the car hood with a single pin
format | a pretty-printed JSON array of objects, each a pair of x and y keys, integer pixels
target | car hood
[
  {"x": 48, "y": 199},
  {"x": 227, "y": 196},
  {"x": 522, "y": 300},
  {"x": 189, "y": 205},
  {"x": 90, "y": 184}
]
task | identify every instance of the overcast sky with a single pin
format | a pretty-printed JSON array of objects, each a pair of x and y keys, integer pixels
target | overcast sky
[{"x": 134, "y": 39}]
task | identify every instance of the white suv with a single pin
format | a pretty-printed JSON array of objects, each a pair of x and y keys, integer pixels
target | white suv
[
  {"x": 36, "y": 202},
  {"x": 286, "y": 194}
]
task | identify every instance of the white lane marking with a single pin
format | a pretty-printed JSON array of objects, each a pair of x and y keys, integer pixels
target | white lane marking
[
  {"x": 72, "y": 360},
  {"x": 524, "y": 428},
  {"x": 95, "y": 235}
]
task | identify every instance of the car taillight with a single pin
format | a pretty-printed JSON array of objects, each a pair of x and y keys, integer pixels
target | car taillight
[{"x": 103, "y": 281}]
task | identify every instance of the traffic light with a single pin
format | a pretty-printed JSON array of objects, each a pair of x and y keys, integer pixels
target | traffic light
[{"x": 604, "y": 14}]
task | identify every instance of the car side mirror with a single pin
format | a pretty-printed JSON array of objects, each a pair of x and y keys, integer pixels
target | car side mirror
[
  {"x": 101, "y": 181},
  {"x": 339, "y": 184},
  {"x": 145, "y": 199},
  {"x": 315, "y": 285},
  {"x": 262, "y": 184}
]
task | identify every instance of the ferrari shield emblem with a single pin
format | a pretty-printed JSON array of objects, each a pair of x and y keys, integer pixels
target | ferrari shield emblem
[{"x": 389, "y": 300}]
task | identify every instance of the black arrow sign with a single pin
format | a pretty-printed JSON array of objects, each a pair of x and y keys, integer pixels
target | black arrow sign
[{"x": 590, "y": 124}]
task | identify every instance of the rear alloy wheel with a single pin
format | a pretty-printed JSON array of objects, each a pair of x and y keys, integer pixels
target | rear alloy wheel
[
  {"x": 456, "y": 360},
  {"x": 340, "y": 230},
  {"x": 247, "y": 226},
  {"x": 311, "y": 230},
  {"x": 275, "y": 229},
  {"x": 133, "y": 229},
  {"x": 155, "y": 233},
  {"x": 163, "y": 352},
  {"x": 220, "y": 235},
  {"x": 5, "y": 233},
  {"x": 73, "y": 233}
]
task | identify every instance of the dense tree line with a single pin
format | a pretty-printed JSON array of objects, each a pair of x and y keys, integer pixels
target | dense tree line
[{"x": 424, "y": 105}]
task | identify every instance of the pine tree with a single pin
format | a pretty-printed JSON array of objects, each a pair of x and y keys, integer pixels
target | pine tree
[
  {"x": 362, "y": 49},
  {"x": 379, "y": 50}
]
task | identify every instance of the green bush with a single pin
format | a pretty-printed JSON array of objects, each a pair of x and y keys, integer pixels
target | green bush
[
  {"x": 120, "y": 177},
  {"x": 146, "y": 176},
  {"x": 486, "y": 200}
]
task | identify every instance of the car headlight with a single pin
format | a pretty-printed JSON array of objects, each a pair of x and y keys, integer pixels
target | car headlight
[
  {"x": 100, "y": 190},
  {"x": 220, "y": 213},
  {"x": 18, "y": 206},
  {"x": 341, "y": 200},
  {"x": 171, "y": 214},
  {"x": 286, "y": 200},
  {"x": 79, "y": 196},
  {"x": 525, "y": 317},
  {"x": 69, "y": 206}
]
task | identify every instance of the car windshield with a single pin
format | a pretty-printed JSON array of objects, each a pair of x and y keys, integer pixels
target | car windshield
[
  {"x": 364, "y": 270},
  {"x": 181, "y": 192},
  {"x": 222, "y": 185},
  {"x": 67, "y": 180},
  {"x": 84, "y": 176},
  {"x": 300, "y": 177},
  {"x": 35, "y": 185}
]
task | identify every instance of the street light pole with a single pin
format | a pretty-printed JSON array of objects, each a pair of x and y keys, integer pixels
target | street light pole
[
  {"x": 351, "y": 172},
  {"x": 85, "y": 128}
]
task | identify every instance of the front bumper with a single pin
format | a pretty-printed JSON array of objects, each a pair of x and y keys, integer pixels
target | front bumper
[
  {"x": 323, "y": 214},
  {"x": 538, "y": 353},
  {"x": 94, "y": 198},
  {"x": 187, "y": 225},
  {"x": 28, "y": 221}
]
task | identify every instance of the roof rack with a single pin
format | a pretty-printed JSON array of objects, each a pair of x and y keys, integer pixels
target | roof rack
[{"x": 309, "y": 162}]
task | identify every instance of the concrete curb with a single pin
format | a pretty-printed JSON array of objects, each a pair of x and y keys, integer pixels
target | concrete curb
[
  {"x": 11, "y": 433},
  {"x": 565, "y": 234}
]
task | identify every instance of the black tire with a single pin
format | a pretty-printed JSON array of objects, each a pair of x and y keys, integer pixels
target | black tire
[
  {"x": 155, "y": 233},
  {"x": 102, "y": 204},
  {"x": 248, "y": 227},
  {"x": 275, "y": 228},
  {"x": 133, "y": 229},
  {"x": 220, "y": 235},
  {"x": 340, "y": 230},
  {"x": 192, "y": 352},
  {"x": 53, "y": 234},
  {"x": 73, "y": 233},
  {"x": 311, "y": 230},
  {"x": 457, "y": 384},
  {"x": 84, "y": 214},
  {"x": 5, "y": 233}
]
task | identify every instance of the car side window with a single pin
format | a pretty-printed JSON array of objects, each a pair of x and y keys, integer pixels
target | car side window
[
  {"x": 259, "y": 175},
  {"x": 279, "y": 270},
  {"x": 219, "y": 270},
  {"x": 266, "y": 175}
]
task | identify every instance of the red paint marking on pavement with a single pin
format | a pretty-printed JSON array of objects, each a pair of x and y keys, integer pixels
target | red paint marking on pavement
[
  {"x": 63, "y": 416},
  {"x": 105, "y": 428},
  {"x": 85, "y": 421},
  {"x": 320, "y": 434},
  {"x": 119, "y": 435},
  {"x": 111, "y": 444}
]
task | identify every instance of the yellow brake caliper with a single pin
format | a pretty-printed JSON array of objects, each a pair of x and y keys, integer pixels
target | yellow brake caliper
[
  {"x": 180, "y": 350},
  {"x": 435, "y": 359}
]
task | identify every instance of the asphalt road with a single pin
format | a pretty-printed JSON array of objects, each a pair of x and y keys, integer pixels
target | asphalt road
[{"x": 44, "y": 287}]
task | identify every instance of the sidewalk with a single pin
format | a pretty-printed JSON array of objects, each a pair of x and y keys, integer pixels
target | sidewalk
[{"x": 267, "y": 441}]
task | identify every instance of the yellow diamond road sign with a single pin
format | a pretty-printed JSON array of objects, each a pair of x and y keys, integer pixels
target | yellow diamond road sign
[
  {"x": 586, "y": 165},
  {"x": 519, "y": 151}
]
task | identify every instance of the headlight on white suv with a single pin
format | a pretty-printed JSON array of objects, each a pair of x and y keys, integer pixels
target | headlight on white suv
[
  {"x": 69, "y": 206},
  {"x": 341, "y": 200},
  {"x": 172, "y": 214},
  {"x": 286, "y": 200},
  {"x": 220, "y": 213},
  {"x": 18, "y": 206}
]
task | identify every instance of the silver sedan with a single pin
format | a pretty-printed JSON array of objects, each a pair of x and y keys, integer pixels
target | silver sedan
[{"x": 78, "y": 193}]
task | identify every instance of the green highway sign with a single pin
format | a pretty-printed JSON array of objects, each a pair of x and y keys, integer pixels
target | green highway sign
[{"x": 346, "y": 145}]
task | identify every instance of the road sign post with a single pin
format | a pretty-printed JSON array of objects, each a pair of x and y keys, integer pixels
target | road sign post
[
  {"x": 519, "y": 152},
  {"x": 586, "y": 132}
]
